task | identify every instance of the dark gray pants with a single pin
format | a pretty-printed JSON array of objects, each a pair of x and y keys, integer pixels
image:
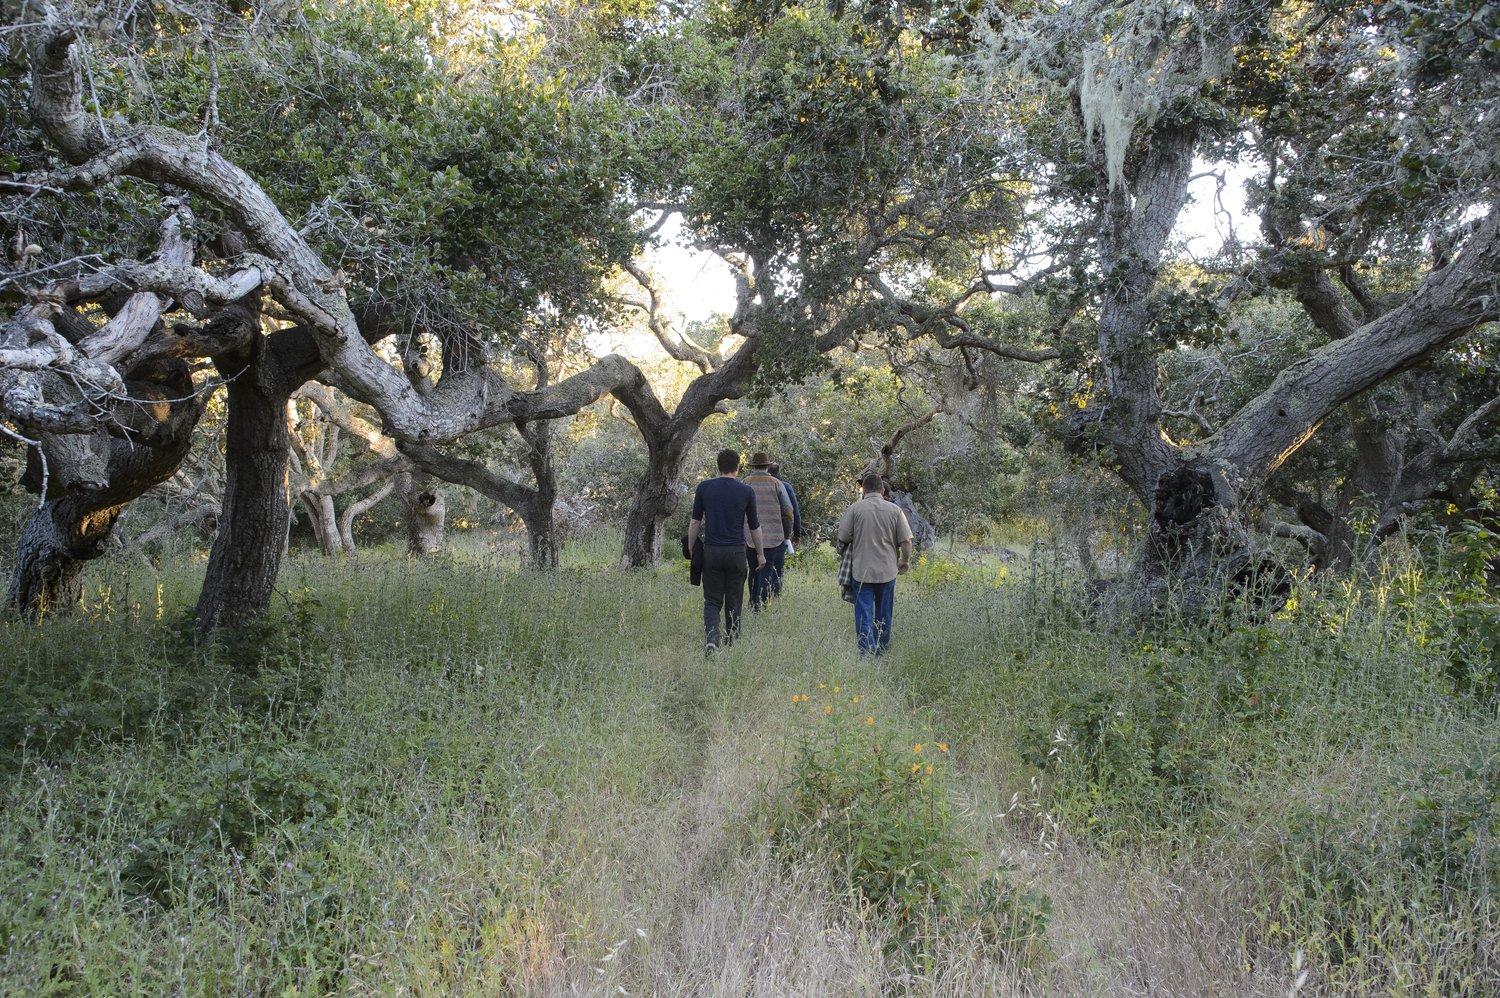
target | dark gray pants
[{"x": 724, "y": 574}]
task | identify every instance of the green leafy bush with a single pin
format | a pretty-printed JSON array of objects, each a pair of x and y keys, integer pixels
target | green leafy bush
[
  {"x": 869, "y": 801},
  {"x": 1011, "y": 917},
  {"x": 242, "y": 812}
]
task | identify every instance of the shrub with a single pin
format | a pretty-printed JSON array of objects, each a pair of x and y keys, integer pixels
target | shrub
[{"x": 869, "y": 801}]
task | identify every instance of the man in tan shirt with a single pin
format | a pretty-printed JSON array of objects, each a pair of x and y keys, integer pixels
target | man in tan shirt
[{"x": 879, "y": 540}]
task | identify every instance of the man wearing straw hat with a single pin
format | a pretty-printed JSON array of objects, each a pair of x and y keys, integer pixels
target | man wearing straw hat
[{"x": 774, "y": 508}]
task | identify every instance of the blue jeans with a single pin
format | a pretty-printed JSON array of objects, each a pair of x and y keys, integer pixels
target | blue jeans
[
  {"x": 874, "y": 603},
  {"x": 767, "y": 582}
]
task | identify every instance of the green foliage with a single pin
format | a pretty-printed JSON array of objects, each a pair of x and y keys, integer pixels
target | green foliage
[
  {"x": 1010, "y": 916},
  {"x": 245, "y": 810},
  {"x": 447, "y": 180},
  {"x": 1455, "y": 813},
  {"x": 1474, "y": 637},
  {"x": 443, "y": 770},
  {"x": 869, "y": 803}
]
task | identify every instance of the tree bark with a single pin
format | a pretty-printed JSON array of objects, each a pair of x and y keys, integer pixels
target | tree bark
[
  {"x": 246, "y": 554},
  {"x": 535, "y": 506},
  {"x": 324, "y": 522},
  {"x": 428, "y": 523},
  {"x": 72, "y": 527},
  {"x": 655, "y": 499},
  {"x": 357, "y": 509},
  {"x": 668, "y": 438},
  {"x": 424, "y": 523}
]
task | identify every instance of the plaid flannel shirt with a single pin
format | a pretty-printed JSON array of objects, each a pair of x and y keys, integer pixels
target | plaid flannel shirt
[{"x": 846, "y": 573}]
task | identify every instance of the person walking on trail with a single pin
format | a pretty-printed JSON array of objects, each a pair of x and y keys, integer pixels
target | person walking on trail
[
  {"x": 775, "y": 509},
  {"x": 878, "y": 538},
  {"x": 796, "y": 534},
  {"x": 791, "y": 494},
  {"x": 724, "y": 515}
]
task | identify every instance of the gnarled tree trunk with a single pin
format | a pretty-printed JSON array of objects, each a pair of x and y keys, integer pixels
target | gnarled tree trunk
[
  {"x": 357, "y": 509},
  {"x": 424, "y": 513},
  {"x": 668, "y": 438},
  {"x": 655, "y": 499},
  {"x": 323, "y": 519},
  {"x": 246, "y": 553},
  {"x": 74, "y": 523}
]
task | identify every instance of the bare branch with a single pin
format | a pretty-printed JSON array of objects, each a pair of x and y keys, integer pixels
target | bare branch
[
  {"x": 1458, "y": 443},
  {"x": 677, "y": 345}
]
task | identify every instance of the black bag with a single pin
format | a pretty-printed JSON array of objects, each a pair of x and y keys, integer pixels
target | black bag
[{"x": 694, "y": 559}]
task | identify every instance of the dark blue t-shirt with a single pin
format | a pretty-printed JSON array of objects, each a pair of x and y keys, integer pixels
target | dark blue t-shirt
[{"x": 724, "y": 505}]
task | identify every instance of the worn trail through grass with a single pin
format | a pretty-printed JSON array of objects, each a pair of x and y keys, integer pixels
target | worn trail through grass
[{"x": 460, "y": 778}]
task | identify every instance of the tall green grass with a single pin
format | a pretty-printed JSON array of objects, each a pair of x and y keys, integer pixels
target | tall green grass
[{"x": 463, "y": 777}]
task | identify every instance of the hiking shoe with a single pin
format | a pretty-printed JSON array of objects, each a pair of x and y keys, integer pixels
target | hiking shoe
[{"x": 711, "y": 650}]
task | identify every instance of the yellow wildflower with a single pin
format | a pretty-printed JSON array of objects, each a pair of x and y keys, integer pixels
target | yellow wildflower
[
  {"x": 824, "y": 686},
  {"x": 869, "y": 720},
  {"x": 942, "y": 746},
  {"x": 835, "y": 689},
  {"x": 828, "y": 708},
  {"x": 929, "y": 770},
  {"x": 916, "y": 766},
  {"x": 917, "y": 748}
]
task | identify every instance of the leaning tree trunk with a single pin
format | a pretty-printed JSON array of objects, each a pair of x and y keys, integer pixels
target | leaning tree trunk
[
  {"x": 324, "y": 522},
  {"x": 357, "y": 509}
]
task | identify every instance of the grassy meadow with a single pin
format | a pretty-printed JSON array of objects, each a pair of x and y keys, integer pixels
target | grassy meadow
[{"x": 459, "y": 777}]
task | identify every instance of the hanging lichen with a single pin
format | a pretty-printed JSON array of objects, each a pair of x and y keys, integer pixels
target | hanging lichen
[{"x": 1126, "y": 63}]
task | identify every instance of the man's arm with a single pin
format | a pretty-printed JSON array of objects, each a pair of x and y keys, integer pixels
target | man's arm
[
  {"x": 694, "y": 527},
  {"x": 760, "y": 548},
  {"x": 903, "y": 555}
]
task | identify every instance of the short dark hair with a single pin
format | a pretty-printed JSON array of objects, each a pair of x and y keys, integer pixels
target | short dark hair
[
  {"x": 774, "y": 469},
  {"x": 729, "y": 460},
  {"x": 871, "y": 482}
]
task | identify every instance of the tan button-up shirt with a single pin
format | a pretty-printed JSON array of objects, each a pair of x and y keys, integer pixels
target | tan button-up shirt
[{"x": 876, "y": 529}]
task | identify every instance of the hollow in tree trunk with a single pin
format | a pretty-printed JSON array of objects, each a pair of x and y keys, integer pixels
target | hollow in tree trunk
[
  {"x": 74, "y": 524},
  {"x": 58, "y": 539},
  {"x": 426, "y": 523}
]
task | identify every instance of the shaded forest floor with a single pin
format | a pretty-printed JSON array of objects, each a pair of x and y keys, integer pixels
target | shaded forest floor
[{"x": 460, "y": 778}]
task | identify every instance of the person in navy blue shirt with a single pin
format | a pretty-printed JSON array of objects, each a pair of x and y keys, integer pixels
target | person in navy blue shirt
[{"x": 723, "y": 508}]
